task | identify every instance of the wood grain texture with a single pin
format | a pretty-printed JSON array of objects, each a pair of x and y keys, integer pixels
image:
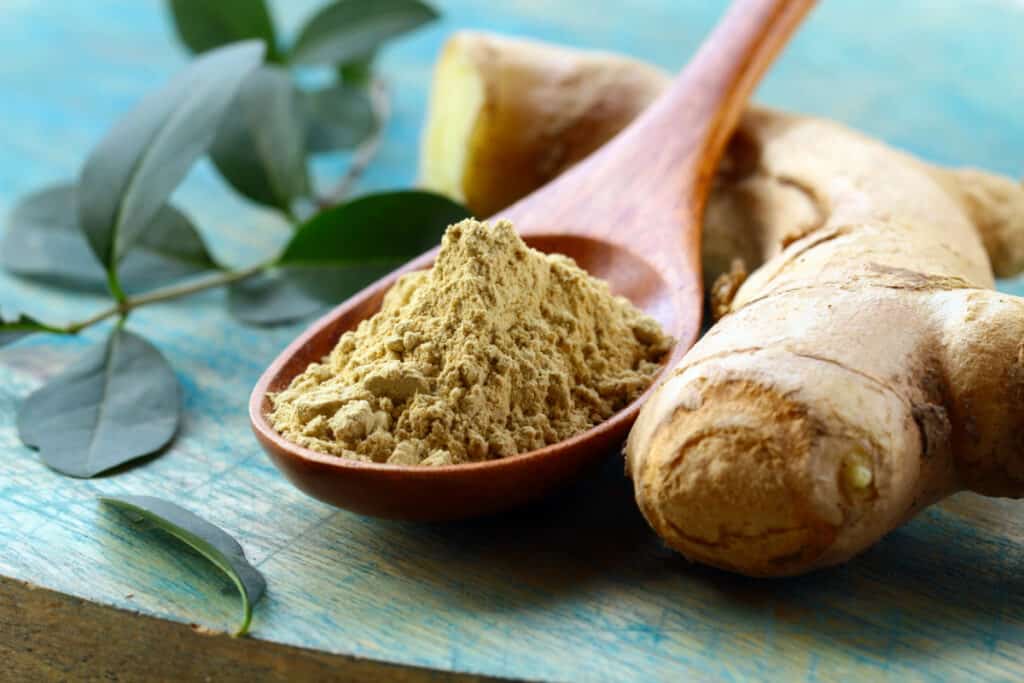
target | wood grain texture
[
  {"x": 575, "y": 588},
  {"x": 44, "y": 640}
]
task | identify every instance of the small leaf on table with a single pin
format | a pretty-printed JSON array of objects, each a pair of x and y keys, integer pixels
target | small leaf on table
[
  {"x": 204, "y": 24},
  {"x": 13, "y": 329},
  {"x": 338, "y": 117},
  {"x": 44, "y": 242},
  {"x": 208, "y": 540},
  {"x": 260, "y": 147},
  {"x": 340, "y": 250},
  {"x": 130, "y": 174},
  {"x": 118, "y": 402},
  {"x": 347, "y": 30}
]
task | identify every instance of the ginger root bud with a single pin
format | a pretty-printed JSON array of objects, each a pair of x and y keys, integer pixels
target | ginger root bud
[{"x": 862, "y": 368}]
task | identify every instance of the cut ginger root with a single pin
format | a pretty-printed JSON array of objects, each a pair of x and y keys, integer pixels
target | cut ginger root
[
  {"x": 508, "y": 115},
  {"x": 862, "y": 367}
]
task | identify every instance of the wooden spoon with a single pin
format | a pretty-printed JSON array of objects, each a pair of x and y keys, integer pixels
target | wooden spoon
[{"x": 631, "y": 213}]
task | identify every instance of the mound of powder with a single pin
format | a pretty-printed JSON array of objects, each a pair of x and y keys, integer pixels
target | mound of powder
[{"x": 497, "y": 350}]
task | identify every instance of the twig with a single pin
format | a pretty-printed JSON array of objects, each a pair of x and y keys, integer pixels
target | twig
[
  {"x": 166, "y": 294},
  {"x": 368, "y": 149},
  {"x": 361, "y": 160}
]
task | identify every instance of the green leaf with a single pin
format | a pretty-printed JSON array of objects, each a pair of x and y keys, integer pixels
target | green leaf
[
  {"x": 118, "y": 402},
  {"x": 170, "y": 250},
  {"x": 341, "y": 250},
  {"x": 337, "y": 117},
  {"x": 359, "y": 71},
  {"x": 205, "y": 24},
  {"x": 208, "y": 540},
  {"x": 260, "y": 146},
  {"x": 385, "y": 230},
  {"x": 44, "y": 242},
  {"x": 13, "y": 329},
  {"x": 128, "y": 177},
  {"x": 347, "y": 30}
]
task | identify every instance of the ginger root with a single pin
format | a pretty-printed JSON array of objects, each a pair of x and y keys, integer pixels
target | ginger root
[
  {"x": 862, "y": 368},
  {"x": 507, "y": 115},
  {"x": 863, "y": 371}
]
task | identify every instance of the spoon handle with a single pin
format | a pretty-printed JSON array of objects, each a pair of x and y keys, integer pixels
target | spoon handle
[
  {"x": 713, "y": 89},
  {"x": 645, "y": 189},
  {"x": 678, "y": 141}
]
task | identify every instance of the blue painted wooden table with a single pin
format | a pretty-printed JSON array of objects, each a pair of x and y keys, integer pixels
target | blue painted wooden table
[{"x": 573, "y": 588}]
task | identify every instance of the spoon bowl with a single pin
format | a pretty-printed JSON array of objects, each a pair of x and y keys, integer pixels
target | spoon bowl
[
  {"x": 453, "y": 491},
  {"x": 629, "y": 214}
]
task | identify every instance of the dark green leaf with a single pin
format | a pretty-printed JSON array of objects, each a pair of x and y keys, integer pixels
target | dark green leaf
[
  {"x": 43, "y": 242},
  {"x": 208, "y": 540},
  {"x": 128, "y": 177},
  {"x": 385, "y": 229},
  {"x": 260, "y": 146},
  {"x": 205, "y": 24},
  {"x": 359, "y": 71},
  {"x": 118, "y": 402},
  {"x": 341, "y": 250},
  {"x": 13, "y": 329},
  {"x": 338, "y": 117},
  {"x": 347, "y": 30}
]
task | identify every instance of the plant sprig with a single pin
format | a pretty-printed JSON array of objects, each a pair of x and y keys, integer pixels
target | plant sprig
[
  {"x": 114, "y": 230},
  {"x": 276, "y": 124}
]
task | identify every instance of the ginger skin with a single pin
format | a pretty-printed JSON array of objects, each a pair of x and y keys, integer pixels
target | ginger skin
[{"x": 863, "y": 370}]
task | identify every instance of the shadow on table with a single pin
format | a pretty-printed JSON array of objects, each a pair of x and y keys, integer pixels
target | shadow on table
[
  {"x": 935, "y": 587},
  {"x": 937, "y": 584}
]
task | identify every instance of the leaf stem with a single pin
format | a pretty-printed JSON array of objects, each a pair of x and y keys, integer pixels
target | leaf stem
[
  {"x": 114, "y": 285},
  {"x": 124, "y": 307},
  {"x": 367, "y": 150}
]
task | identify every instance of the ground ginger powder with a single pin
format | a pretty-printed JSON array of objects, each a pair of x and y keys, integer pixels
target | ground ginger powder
[{"x": 497, "y": 350}]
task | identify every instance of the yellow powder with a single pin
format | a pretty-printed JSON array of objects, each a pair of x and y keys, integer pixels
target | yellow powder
[{"x": 498, "y": 350}]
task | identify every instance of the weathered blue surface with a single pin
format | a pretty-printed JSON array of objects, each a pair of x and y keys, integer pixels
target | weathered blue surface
[{"x": 576, "y": 588}]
